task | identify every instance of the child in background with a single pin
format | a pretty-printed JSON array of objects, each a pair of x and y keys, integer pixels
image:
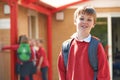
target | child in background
[
  {"x": 42, "y": 61},
  {"x": 25, "y": 69}
]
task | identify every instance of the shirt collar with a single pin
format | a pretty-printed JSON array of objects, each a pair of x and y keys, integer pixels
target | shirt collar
[{"x": 87, "y": 39}]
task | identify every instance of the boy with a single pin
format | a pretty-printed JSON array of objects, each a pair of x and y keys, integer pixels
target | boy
[
  {"x": 42, "y": 61},
  {"x": 78, "y": 65}
]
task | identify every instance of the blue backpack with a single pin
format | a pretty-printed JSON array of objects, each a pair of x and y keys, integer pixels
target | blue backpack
[{"x": 92, "y": 53}]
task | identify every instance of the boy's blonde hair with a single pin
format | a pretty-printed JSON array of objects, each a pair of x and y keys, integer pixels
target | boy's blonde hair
[{"x": 85, "y": 10}]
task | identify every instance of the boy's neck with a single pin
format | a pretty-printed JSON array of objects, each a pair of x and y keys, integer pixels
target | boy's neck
[{"x": 82, "y": 36}]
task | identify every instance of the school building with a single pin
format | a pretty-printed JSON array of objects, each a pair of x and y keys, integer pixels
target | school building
[{"x": 54, "y": 24}]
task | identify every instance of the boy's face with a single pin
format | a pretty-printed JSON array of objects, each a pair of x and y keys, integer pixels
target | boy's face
[
  {"x": 84, "y": 23},
  {"x": 38, "y": 43}
]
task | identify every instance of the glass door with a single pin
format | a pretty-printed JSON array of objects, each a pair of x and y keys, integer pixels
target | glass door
[{"x": 116, "y": 47}]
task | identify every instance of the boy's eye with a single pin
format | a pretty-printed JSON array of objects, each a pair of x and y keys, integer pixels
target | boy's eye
[
  {"x": 81, "y": 18},
  {"x": 89, "y": 19}
]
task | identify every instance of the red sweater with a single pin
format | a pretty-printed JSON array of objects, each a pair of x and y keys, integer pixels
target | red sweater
[
  {"x": 41, "y": 53},
  {"x": 78, "y": 67}
]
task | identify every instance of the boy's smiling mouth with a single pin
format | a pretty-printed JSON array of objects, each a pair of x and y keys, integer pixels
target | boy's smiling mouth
[{"x": 84, "y": 26}]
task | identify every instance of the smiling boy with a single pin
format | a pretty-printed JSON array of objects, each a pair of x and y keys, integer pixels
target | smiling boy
[{"x": 78, "y": 65}]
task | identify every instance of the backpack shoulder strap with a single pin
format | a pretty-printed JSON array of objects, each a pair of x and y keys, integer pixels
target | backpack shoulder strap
[
  {"x": 92, "y": 54},
  {"x": 65, "y": 50}
]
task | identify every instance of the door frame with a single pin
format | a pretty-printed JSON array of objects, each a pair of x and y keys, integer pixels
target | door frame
[{"x": 109, "y": 16}]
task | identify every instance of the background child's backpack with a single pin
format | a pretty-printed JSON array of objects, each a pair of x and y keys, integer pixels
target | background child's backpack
[
  {"x": 92, "y": 53},
  {"x": 24, "y": 52}
]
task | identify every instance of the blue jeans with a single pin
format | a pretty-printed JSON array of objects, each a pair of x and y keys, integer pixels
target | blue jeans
[{"x": 44, "y": 73}]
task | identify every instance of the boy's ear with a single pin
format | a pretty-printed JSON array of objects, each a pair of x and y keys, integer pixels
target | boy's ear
[{"x": 93, "y": 26}]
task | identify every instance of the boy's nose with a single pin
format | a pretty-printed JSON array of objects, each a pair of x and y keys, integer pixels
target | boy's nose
[{"x": 84, "y": 21}]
